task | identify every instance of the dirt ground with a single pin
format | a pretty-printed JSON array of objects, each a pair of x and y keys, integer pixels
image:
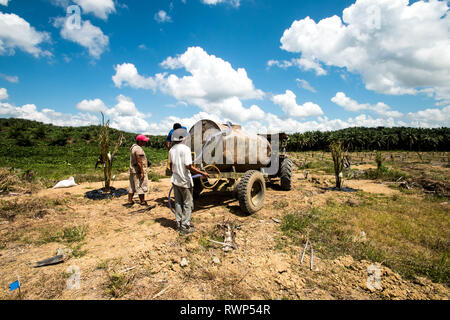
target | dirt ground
[{"x": 144, "y": 250}]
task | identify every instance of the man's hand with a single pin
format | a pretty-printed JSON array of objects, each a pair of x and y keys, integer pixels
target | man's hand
[{"x": 196, "y": 171}]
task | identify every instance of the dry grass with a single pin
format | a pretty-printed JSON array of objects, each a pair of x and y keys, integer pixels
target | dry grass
[
  {"x": 28, "y": 208},
  {"x": 11, "y": 182}
]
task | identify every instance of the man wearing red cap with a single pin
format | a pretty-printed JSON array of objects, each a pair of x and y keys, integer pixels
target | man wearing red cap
[{"x": 138, "y": 170}]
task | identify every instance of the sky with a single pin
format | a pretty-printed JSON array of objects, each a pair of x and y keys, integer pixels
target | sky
[{"x": 291, "y": 66}]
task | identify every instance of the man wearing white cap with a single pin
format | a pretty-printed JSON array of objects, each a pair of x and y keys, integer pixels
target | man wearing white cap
[
  {"x": 138, "y": 170},
  {"x": 181, "y": 167}
]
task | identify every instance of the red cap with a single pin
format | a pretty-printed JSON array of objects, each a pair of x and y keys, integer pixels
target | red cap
[{"x": 141, "y": 137}]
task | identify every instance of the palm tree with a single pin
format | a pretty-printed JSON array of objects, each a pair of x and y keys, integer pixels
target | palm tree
[{"x": 410, "y": 136}]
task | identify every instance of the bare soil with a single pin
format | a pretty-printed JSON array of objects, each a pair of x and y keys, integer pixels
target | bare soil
[{"x": 144, "y": 248}]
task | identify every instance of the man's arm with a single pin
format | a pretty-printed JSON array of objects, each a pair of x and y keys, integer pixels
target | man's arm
[
  {"x": 195, "y": 170},
  {"x": 169, "y": 140},
  {"x": 140, "y": 165}
]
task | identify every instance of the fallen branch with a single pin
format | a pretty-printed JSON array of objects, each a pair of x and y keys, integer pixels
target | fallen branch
[
  {"x": 223, "y": 243},
  {"x": 161, "y": 292},
  {"x": 128, "y": 269},
  {"x": 241, "y": 279},
  {"x": 304, "y": 251}
]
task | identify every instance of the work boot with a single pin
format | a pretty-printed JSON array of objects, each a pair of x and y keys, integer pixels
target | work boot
[{"x": 185, "y": 231}]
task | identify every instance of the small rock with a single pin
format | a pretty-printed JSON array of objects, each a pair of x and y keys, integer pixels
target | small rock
[
  {"x": 184, "y": 262},
  {"x": 66, "y": 253},
  {"x": 216, "y": 260},
  {"x": 361, "y": 237}
]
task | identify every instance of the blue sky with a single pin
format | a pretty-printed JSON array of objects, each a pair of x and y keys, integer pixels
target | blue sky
[{"x": 263, "y": 64}]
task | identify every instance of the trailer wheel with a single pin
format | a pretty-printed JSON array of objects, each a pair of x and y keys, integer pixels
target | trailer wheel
[
  {"x": 286, "y": 174},
  {"x": 251, "y": 191}
]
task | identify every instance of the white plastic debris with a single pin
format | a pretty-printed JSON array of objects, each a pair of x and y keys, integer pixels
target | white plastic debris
[
  {"x": 184, "y": 262},
  {"x": 65, "y": 183}
]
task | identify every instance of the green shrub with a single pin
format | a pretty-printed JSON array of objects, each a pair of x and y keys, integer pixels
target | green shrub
[
  {"x": 60, "y": 139},
  {"x": 24, "y": 140}
]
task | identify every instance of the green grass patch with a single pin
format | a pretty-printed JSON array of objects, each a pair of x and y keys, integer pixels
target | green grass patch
[
  {"x": 409, "y": 234},
  {"x": 280, "y": 204},
  {"x": 77, "y": 251},
  {"x": 152, "y": 176},
  {"x": 30, "y": 207},
  {"x": 118, "y": 285},
  {"x": 214, "y": 234},
  {"x": 67, "y": 235},
  {"x": 324, "y": 165},
  {"x": 384, "y": 173},
  {"x": 56, "y": 153}
]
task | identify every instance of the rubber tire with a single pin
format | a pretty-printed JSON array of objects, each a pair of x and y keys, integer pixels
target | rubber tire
[
  {"x": 286, "y": 174},
  {"x": 244, "y": 190}
]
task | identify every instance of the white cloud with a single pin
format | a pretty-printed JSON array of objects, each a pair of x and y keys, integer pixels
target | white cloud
[
  {"x": 100, "y": 8},
  {"x": 305, "y": 85},
  {"x": 12, "y": 79},
  {"x": 212, "y": 79},
  {"x": 388, "y": 42},
  {"x": 431, "y": 117},
  {"x": 3, "y": 94},
  {"x": 123, "y": 116},
  {"x": 88, "y": 36},
  {"x": 301, "y": 63},
  {"x": 232, "y": 109},
  {"x": 213, "y": 84},
  {"x": 95, "y": 105},
  {"x": 161, "y": 17},
  {"x": 4, "y": 2},
  {"x": 290, "y": 107},
  {"x": 15, "y": 32},
  {"x": 351, "y": 105},
  {"x": 127, "y": 74},
  {"x": 31, "y": 112},
  {"x": 234, "y": 3},
  {"x": 124, "y": 107},
  {"x": 281, "y": 64}
]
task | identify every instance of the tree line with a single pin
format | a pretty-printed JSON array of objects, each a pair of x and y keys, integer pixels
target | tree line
[
  {"x": 29, "y": 133},
  {"x": 380, "y": 138}
]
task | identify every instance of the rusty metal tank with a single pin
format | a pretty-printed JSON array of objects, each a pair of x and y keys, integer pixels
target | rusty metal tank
[{"x": 228, "y": 146}]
